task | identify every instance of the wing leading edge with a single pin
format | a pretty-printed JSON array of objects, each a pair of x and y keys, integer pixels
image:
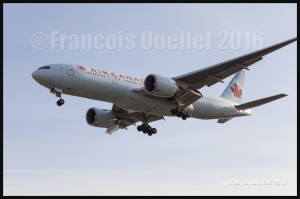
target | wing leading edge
[{"x": 216, "y": 73}]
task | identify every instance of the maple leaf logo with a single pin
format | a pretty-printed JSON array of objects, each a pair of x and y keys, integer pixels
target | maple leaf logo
[
  {"x": 81, "y": 67},
  {"x": 236, "y": 91}
]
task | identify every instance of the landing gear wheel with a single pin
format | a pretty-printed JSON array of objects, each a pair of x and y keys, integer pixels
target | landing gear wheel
[
  {"x": 149, "y": 133},
  {"x": 154, "y": 131},
  {"x": 184, "y": 117},
  {"x": 149, "y": 129},
  {"x": 60, "y": 102},
  {"x": 144, "y": 126},
  {"x": 139, "y": 128}
]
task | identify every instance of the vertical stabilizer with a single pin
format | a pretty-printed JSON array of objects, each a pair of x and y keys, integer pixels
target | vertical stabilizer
[{"x": 235, "y": 89}]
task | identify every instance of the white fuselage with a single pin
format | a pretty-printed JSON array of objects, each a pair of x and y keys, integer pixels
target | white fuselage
[{"x": 116, "y": 88}]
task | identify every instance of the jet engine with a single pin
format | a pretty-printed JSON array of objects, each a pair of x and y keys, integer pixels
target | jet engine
[
  {"x": 100, "y": 118},
  {"x": 160, "y": 86}
]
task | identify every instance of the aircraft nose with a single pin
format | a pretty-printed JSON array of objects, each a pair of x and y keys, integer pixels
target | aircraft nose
[{"x": 36, "y": 75}]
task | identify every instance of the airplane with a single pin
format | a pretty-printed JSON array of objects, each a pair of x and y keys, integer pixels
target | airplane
[{"x": 147, "y": 100}]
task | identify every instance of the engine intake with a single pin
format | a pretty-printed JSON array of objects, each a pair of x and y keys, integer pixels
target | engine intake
[
  {"x": 100, "y": 118},
  {"x": 160, "y": 86}
]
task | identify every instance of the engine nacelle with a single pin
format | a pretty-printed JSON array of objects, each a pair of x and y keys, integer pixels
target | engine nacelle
[
  {"x": 160, "y": 86},
  {"x": 100, "y": 117}
]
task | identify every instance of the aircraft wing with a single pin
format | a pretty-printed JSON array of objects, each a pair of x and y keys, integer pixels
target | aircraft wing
[
  {"x": 216, "y": 73},
  {"x": 125, "y": 118},
  {"x": 190, "y": 82}
]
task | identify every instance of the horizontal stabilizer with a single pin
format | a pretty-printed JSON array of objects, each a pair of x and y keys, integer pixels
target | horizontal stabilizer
[{"x": 259, "y": 102}]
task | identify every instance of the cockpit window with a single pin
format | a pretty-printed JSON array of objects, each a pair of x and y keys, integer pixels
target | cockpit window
[{"x": 44, "y": 67}]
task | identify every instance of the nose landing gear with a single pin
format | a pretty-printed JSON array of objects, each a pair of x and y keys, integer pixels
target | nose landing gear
[{"x": 58, "y": 92}]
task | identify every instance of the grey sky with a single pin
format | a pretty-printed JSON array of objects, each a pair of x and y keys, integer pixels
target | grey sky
[{"x": 50, "y": 150}]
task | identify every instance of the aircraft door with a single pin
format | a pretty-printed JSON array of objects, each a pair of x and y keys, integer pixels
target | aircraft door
[{"x": 70, "y": 70}]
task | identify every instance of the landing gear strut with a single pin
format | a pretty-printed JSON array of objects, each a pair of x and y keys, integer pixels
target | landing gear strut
[
  {"x": 146, "y": 128},
  {"x": 179, "y": 111},
  {"x": 57, "y": 92}
]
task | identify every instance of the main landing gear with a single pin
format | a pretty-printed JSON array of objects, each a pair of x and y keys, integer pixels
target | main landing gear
[
  {"x": 57, "y": 92},
  {"x": 179, "y": 111},
  {"x": 146, "y": 128}
]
